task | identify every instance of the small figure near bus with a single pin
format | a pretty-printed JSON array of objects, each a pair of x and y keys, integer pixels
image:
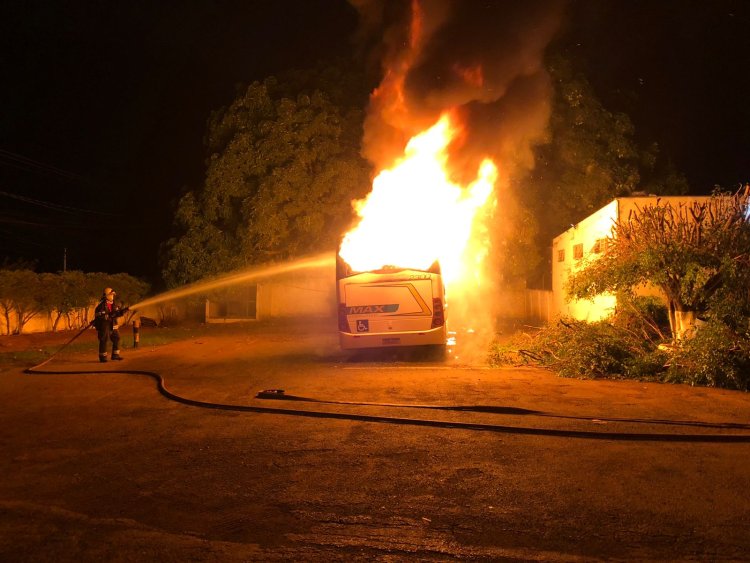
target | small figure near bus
[{"x": 105, "y": 322}]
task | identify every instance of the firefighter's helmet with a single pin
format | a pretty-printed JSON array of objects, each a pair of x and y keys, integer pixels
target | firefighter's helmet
[{"x": 109, "y": 294}]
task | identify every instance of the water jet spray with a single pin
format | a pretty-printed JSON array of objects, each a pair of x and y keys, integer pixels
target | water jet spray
[{"x": 326, "y": 259}]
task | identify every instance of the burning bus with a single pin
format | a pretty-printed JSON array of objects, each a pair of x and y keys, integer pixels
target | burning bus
[
  {"x": 390, "y": 306},
  {"x": 412, "y": 246}
]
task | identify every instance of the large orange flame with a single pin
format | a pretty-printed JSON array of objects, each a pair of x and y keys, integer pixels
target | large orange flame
[{"x": 416, "y": 215}]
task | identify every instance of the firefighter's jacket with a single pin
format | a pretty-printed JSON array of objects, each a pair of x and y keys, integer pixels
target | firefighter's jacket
[{"x": 106, "y": 315}]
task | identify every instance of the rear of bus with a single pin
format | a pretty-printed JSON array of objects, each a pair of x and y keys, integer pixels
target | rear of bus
[{"x": 390, "y": 307}]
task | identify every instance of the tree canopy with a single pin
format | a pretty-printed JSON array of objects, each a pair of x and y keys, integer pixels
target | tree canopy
[
  {"x": 283, "y": 166},
  {"x": 25, "y": 294},
  {"x": 282, "y": 169},
  {"x": 592, "y": 157},
  {"x": 19, "y": 302}
]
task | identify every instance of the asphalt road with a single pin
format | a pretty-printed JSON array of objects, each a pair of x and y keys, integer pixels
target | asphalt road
[{"x": 101, "y": 467}]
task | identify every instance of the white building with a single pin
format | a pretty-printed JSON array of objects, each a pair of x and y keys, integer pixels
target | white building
[{"x": 584, "y": 241}]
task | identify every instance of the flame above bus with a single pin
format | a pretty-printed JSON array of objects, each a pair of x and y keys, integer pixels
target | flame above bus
[{"x": 415, "y": 215}]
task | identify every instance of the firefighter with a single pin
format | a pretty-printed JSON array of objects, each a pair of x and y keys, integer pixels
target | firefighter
[{"x": 105, "y": 322}]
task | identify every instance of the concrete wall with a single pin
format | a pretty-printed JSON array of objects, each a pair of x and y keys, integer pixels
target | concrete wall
[
  {"x": 42, "y": 322},
  {"x": 299, "y": 295},
  {"x": 237, "y": 303}
]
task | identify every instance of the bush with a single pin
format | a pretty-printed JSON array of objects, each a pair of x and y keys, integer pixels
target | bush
[
  {"x": 596, "y": 350},
  {"x": 627, "y": 346},
  {"x": 716, "y": 356},
  {"x": 631, "y": 345},
  {"x": 643, "y": 315}
]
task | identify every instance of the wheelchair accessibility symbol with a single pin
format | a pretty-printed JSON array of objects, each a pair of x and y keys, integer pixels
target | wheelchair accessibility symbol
[{"x": 363, "y": 326}]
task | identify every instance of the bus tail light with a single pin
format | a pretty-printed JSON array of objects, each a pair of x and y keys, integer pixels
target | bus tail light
[{"x": 438, "y": 315}]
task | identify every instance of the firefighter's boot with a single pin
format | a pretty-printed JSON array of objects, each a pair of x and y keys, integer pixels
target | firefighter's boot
[
  {"x": 116, "y": 355},
  {"x": 103, "y": 358}
]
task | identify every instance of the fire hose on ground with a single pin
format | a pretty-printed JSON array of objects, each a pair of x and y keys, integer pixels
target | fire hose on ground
[{"x": 278, "y": 394}]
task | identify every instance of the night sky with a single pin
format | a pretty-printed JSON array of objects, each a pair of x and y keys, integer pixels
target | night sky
[{"x": 104, "y": 108}]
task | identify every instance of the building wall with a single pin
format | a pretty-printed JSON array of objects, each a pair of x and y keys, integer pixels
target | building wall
[
  {"x": 570, "y": 252},
  {"x": 43, "y": 322},
  {"x": 232, "y": 304},
  {"x": 633, "y": 204},
  {"x": 300, "y": 295}
]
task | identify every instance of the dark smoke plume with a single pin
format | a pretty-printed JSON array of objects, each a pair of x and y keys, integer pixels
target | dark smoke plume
[{"x": 483, "y": 59}]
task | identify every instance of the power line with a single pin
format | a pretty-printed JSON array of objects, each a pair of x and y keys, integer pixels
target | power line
[
  {"x": 26, "y": 163},
  {"x": 56, "y": 206},
  {"x": 8, "y": 220}
]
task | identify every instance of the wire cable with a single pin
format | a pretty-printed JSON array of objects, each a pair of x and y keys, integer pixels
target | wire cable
[
  {"x": 29, "y": 164},
  {"x": 56, "y": 206}
]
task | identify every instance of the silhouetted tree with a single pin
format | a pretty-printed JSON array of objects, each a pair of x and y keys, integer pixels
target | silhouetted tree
[
  {"x": 591, "y": 157},
  {"x": 283, "y": 167},
  {"x": 19, "y": 298}
]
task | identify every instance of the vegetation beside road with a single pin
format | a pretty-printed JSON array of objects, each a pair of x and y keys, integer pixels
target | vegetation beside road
[
  {"x": 64, "y": 297},
  {"x": 699, "y": 257}
]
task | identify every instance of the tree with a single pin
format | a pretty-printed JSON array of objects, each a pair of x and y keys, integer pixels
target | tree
[
  {"x": 6, "y": 297},
  {"x": 659, "y": 175},
  {"x": 591, "y": 157},
  {"x": 282, "y": 170},
  {"x": 50, "y": 297},
  {"x": 697, "y": 254},
  {"x": 19, "y": 298},
  {"x": 63, "y": 294},
  {"x": 74, "y": 296}
]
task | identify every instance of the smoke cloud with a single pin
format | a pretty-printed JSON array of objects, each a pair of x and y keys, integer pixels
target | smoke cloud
[{"x": 483, "y": 60}]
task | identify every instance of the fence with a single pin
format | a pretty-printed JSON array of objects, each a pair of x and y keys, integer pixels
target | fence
[{"x": 538, "y": 305}]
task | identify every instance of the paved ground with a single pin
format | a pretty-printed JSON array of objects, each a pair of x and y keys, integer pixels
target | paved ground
[{"x": 101, "y": 467}]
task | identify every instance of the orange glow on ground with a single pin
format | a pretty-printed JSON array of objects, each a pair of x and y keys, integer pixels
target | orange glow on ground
[{"x": 416, "y": 215}]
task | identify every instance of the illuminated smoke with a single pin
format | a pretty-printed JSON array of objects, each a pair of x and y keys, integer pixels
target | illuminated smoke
[{"x": 482, "y": 59}]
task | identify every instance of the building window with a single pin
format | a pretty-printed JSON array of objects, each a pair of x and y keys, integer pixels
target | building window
[
  {"x": 578, "y": 251},
  {"x": 601, "y": 246},
  {"x": 561, "y": 255}
]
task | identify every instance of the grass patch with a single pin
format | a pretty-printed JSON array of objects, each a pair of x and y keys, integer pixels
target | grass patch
[{"x": 39, "y": 351}]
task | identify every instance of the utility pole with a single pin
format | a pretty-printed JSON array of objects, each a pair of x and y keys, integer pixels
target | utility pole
[{"x": 65, "y": 259}]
